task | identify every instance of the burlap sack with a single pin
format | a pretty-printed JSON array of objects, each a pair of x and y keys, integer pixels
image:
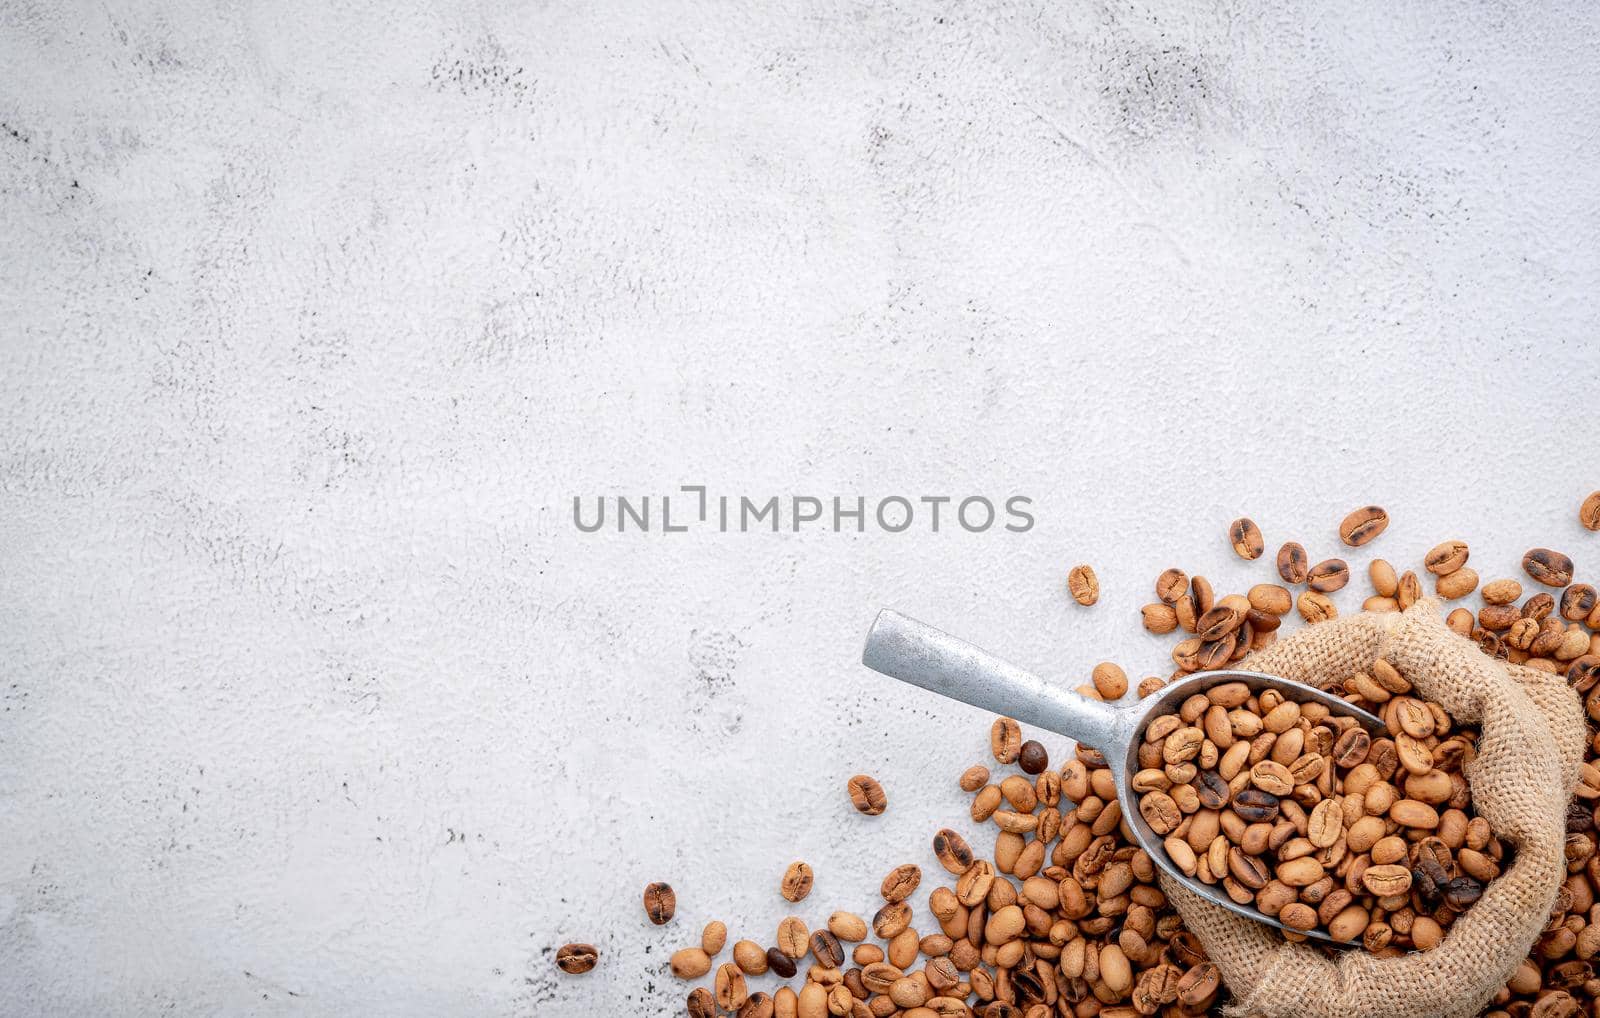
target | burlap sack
[{"x": 1531, "y": 747}]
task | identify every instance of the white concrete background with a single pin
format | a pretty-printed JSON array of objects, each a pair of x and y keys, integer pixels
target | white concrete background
[{"x": 312, "y": 701}]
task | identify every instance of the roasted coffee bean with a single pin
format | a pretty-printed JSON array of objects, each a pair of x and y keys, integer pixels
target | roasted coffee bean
[
  {"x": 866, "y": 795},
  {"x": 1110, "y": 681},
  {"x": 1005, "y": 740},
  {"x": 1589, "y": 511},
  {"x": 750, "y": 958},
  {"x": 1315, "y": 606},
  {"x": 1362, "y": 525},
  {"x": 702, "y": 1004},
  {"x": 1550, "y": 568},
  {"x": 1501, "y": 592},
  {"x": 1083, "y": 585},
  {"x": 1577, "y": 602},
  {"x": 1446, "y": 558},
  {"x": 1329, "y": 575},
  {"x": 660, "y": 903},
  {"x": 826, "y": 949},
  {"x": 900, "y": 882},
  {"x": 1255, "y": 805},
  {"x": 1293, "y": 563},
  {"x": 1456, "y": 584},
  {"x": 1539, "y": 606},
  {"x": 1033, "y": 758},
  {"x": 731, "y": 989},
  {"x": 690, "y": 963},
  {"x": 1460, "y": 893},
  {"x": 1245, "y": 537},
  {"x": 576, "y": 959},
  {"x": 952, "y": 851},
  {"x": 1171, "y": 585},
  {"x": 1159, "y": 618},
  {"x": 797, "y": 881},
  {"x": 757, "y": 1005}
]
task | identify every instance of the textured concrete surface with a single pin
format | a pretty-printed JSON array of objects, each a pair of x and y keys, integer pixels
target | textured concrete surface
[{"x": 316, "y": 317}]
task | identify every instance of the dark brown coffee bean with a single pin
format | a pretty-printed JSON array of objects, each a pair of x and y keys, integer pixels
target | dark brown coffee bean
[
  {"x": 1293, "y": 562},
  {"x": 826, "y": 949},
  {"x": 1329, "y": 575},
  {"x": 1246, "y": 538},
  {"x": 1213, "y": 790},
  {"x": 1577, "y": 601},
  {"x": 1218, "y": 622},
  {"x": 1000, "y": 1009},
  {"x": 1589, "y": 512},
  {"x": 660, "y": 903},
  {"x": 1580, "y": 817},
  {"x": 1550, "y": 568},
  {"x": 780, "y": 963},
  {"x": 1363, "y": 525},
  {"x": 702, "y": 1004},
  {"x": 1249, "y": 870},
  {"x": 1171, "y": 585},
  {"x": 576, "y": 959},
  {"x": 867, "y": 795},
  {"x": 1583, "y": 674},
  {"x": 1255, "y": 806},
  {"x": 1033, "y": 757},
  {"x": 953, "y": 852},
  {"x": 1461, "y": 892}
]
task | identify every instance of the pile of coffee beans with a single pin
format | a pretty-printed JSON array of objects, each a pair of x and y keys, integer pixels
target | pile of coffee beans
[{"x": 1304, "y": 815}]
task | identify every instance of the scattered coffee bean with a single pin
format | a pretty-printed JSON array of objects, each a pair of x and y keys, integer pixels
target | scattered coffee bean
[
  {"x": 702, "y": 1004},
  {"x": 1501, "y": 592},
  {"x": 576, "y": 959},
  {"x": 866, "y": 795},
  {"x": 1589, "y": 511},
  {"x": 1110, "y": 681},
  {"x": 1083, "y": 585},
  {"x": 1361, "y": 526},
  {"x": 1246, "y": 538},
  {"x": 1578, "y": 602},
  {"x": 1033, "y": 757},
  {"x": 781, "y": 964},
  {"x": 713, "y": 937},
  {"x": 900, "y": 882},
  {"x": 1446, "y": 557},
  {"x": 1171, "y": 585},
  {"x": 1456, "y": 584},
  {"x": 731, "y": 990},
  {"x": 825, "y": 948},
  {"x": 660, "y": 903},
  {"x": 974, "y": 778},
  {"x": 1550, "y": 568},
  {"x": 797, "y": 881},
  {"x": 1329, "y": 575},
  {"x": 690, "y": 963},
  {"x": 1005, "y": 740},
  {"x": 1293, "y": 564}
]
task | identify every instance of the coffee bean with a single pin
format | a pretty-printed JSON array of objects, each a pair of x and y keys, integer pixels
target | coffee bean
[
  {"x": 690, "y": 963},
  {"x": 1159, "y": 618},
  {"x": 1329, "y": 575},
  {"x": 1255, "y": 805},
  {"x": 1315, "y": 606},
  {"x": 1362, "y": 525},
  {"x": 757, "y": 1005},
  {"x": 1550, "y": 568},
  {"x": 797, "y": 881},
  {"x": 1218, "y": 623},
  {"x": 1460, "y": 893},
  {"x": 1171, "y": 585},
  {"x": 1005, "y": 740},
  {"x": 900, "y": 882},
  {"x": 952, "y": 850},
  {"x": 731, "y": 989},
  {"x": 867, "y": 795},
  {"x": 750, "y": 958},
  {"x": 780, "y": 963},
  {"x": 1456, "y": 584},
  {"x": 660, "y": 903},
  {"x": 826, "y": 949},
  {"x": 1083, "y": 585},
  {"x": 1246, "y": 538},
  {"x": 1589, "y": 511},
  {"x": 576, "y": 959},
  {"x": 1110, "y": 681},
  {"x": 1033, "y": 757},
  {"x": 1501, "y": 592},
  {"x": 1293, "y": 564},
  {"x": 793, "y": 937},
  {"x": 1446, "y": 557},
  {"x": 702, "y": 1004},
  {"x": 1578, "y": 602}
]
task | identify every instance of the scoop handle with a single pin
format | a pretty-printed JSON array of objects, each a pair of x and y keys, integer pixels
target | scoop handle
[{"x": 914, "y": 652}]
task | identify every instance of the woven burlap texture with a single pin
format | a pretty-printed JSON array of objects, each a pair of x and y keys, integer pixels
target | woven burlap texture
[{"x": 1529, "y": 752}]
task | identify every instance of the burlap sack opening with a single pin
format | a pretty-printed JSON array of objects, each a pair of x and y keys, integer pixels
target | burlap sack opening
[{"x": 1532, "y": 741}]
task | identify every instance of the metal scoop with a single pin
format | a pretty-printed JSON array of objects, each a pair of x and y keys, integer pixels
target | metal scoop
[{"x": 915, "y": 652}]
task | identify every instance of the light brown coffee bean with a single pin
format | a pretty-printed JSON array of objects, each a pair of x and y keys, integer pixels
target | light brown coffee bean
[
  {"x": 1159, "y": 618},
  {"x": 793, "y": 937},
  {"x": 1456, "y": 584},
  {"x": 974, "y": 778},
  {"x": 690, "y": 963},
  {"x": 701, "y": 1004},
  {"x": 1589, "y": 511},
  {"x": 1410, "y": 591},
  {"x": 848, "y": 927},
  {"x": 1293, "y": 563},
  {"x": 1550, "y": 568},
  {"x": 1326, "y": 824},
  {"x": 1005, "y": 740},
  {"x": 1385, "y": 581},
  {"x": 952, "y": 850},
  {"x": 1316, "y": 607},
  {"x": 1446, "y": 557},
  {"x": 900, "y": 882},
  {"x": 1362, "y": 525},
  {"x": 1083, "y": 585},
  {"x": 750, "y": 958},
  {"x": 797, "y": 880},
  {"x": 1246, "y": 539},
  {"x": 1270, "y": 598},
  {"x": 576, "y": 959},
  {"x": 866, "y": 795},
  {"x": 1501, "y": 591},
  {"x": 1329, "y": 575},
  {"x": 731, "y": 989},
  {"x": 712, "y": 937},
  {"x": 1171, "y": 585},
  {"x": 660, "y": 903},
  {"x": 1385, "y": 881}
]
